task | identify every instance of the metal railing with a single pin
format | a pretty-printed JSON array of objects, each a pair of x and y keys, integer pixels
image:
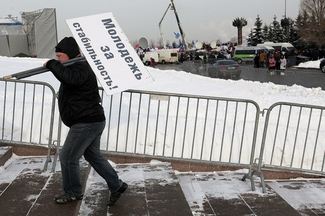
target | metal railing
[
  {"x": 215, "y": 130},
  {"x": 293, "y": 138},
  {"x": 28, "y": 110},
  {"x": 181, "y": 126},
  {"x": 185, "y": 127}
]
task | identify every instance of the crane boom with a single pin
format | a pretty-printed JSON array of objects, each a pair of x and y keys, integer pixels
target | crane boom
[
  {"x": 162, "y": 35},
  {"x": 179, "y": 25},
  {"x": 172, "y": 6}
]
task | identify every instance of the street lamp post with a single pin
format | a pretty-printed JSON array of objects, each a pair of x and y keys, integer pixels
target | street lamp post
[
  {"x": 285, "y": 21},
  {"x": 285, "y": 9}
]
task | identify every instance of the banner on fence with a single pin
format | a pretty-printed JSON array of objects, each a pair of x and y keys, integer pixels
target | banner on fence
[{"x": 109, "y": 52}]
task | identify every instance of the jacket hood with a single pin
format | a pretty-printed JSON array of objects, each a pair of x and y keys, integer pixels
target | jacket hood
[{"x": 69, "y": 46}]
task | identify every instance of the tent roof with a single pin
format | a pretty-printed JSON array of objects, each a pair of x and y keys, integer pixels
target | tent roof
[{"x": 9, "y": 21}]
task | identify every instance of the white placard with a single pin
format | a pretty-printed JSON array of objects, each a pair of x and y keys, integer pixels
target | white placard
[{"x": 109, "y": 52}]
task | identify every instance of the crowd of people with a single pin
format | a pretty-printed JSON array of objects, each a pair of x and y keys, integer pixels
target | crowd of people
[
  {"x": 276, "y": 62},
  {"x": 209, "y": 54}
]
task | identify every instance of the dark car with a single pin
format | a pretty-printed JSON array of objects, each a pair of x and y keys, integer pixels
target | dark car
[
  {"x": 227, "y": 69},
  {"x": 211, "y": 57},
  {"x": 223, "y": 55},
  {"x": 322, "y": 65}
]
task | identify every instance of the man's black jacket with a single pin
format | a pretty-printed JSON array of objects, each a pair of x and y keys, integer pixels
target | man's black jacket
[{"x": 79, "y": 100}]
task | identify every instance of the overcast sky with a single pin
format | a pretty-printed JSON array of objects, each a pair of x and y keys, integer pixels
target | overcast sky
[{"x": 205, "y": 20}]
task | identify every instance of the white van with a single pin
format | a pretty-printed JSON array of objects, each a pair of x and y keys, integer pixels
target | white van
[
  {"x": 167, "y": 56},
  {"x": 148, "y": 56},
  {"x": 284, "y": 47},
  {"x": 269, "y": 49}
]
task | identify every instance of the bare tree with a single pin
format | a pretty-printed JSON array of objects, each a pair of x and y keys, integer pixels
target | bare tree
[
  {"x": 311, "y": 26},
  {"x": 152, "y": 43},
  {"x": 240, "y": 23},
  {"x": 159, "y": 42}
]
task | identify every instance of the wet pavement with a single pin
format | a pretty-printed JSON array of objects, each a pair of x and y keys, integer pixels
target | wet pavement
[
  {"x": 155, "y": 188},
  {"x": 310, "y": 78}
]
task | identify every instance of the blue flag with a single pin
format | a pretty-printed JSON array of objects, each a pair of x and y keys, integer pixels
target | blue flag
[{"x": 177, "y": 35}]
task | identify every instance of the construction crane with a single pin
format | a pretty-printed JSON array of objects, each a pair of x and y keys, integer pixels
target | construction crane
[{"x": 172, "y": 7}]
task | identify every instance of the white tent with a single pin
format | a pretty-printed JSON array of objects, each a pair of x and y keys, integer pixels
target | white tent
[
  {"x": 41, "y": 30},
  {"x": 13, "y": 40},
  {"x": 4, "y": 46},
  {"x": 36, "y": 36}
]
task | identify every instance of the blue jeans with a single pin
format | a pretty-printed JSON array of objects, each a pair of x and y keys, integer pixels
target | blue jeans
[{"x": 84, "y": 139}]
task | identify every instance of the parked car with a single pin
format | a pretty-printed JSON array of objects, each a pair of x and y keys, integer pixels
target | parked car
[
  {"x": 227, "y": 69},
  {"x": 322, "y": 65},
  {"x": 205, "y": 56},
  {"x": 213, "y": 56},
  {"x": 223, "y": 55}
]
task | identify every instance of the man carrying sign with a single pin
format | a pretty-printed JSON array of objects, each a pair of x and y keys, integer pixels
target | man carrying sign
[{"x": 81, "y": 111}]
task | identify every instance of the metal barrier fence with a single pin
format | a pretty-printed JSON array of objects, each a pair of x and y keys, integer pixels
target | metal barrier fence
[
  {"x": 293, "y": 138},
  {"x": 181, "y": 126},
  {"x": 28, "y": 110},
  {"x": 185, "y": 127}
]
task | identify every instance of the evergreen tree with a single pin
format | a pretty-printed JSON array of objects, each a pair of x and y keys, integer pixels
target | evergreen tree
[
  {"x": 301, "y": 25},
  {"x": 257, "y": 35},
  {"x": 285, "y": 29},
  {"x": 277, "y": 31},
  {"x": 271, "y": 34},
  {"x": 293, "y": 34},
  {"x": 266, "y": 34},
  {"x": 249, "y": 38}
]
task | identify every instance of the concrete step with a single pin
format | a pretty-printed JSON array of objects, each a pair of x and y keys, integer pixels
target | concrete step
[
  {"x": 154, "y": 189},
  {"x": 22, "y": 185},
  {"x": 304, "y": 195},
  {"x": 52, "y": 189},
  {"x": 5, "y": 154},
  {"x": 27, "y": 190},
  {"x": 224, "y": 193}
]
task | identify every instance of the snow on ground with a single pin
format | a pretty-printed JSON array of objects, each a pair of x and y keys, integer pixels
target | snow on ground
[{"x": 173, "y": 81}]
